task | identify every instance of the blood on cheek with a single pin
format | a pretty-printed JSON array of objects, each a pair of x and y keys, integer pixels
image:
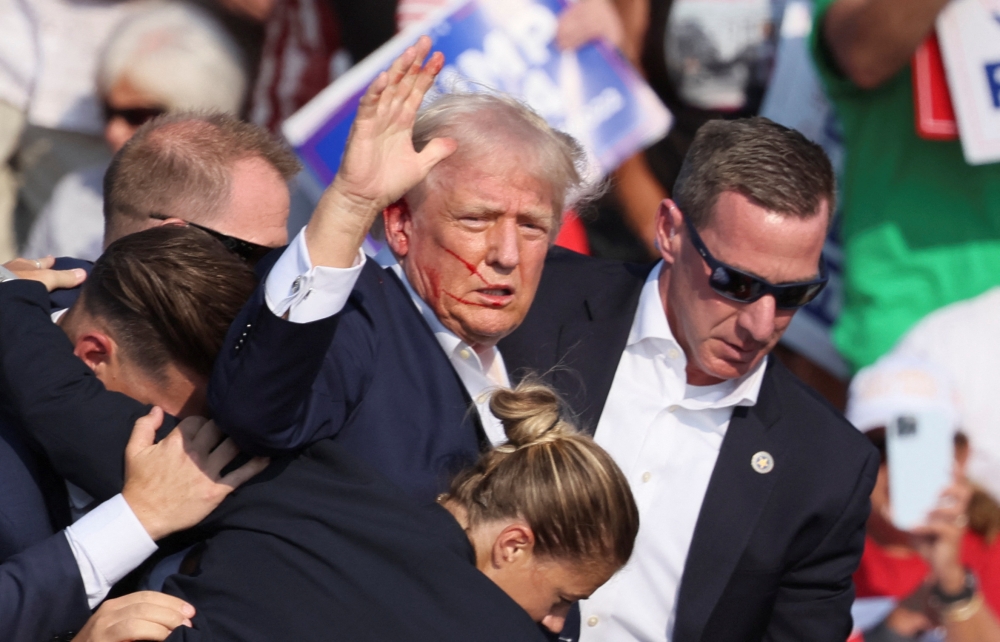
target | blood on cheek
[{"x": 472, "y": 270}]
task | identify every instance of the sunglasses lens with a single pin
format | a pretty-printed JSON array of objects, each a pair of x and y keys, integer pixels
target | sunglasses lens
[
  {"x": 734, "y": 285},
  {"x": 796, "y": 296}
]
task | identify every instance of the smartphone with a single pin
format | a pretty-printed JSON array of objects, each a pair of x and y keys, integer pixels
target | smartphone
[{"x": 921, "y": 456}]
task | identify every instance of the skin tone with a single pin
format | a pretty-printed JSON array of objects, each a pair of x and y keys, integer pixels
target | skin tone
[
  {"x": 544, "y": 587},
  {"x": 146, "y": 615},
  {"x": 724, "y": 339},
  {"x": 125, "y": 95},
  {"x": 178, "y": 391},
  {"x": 257, "y": 210},
  {"x": 474, "y": 244},
  {"x": 872, "y": 40}
]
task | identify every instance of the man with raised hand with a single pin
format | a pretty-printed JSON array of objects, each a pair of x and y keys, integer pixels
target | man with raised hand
[{"x": 387, "y": 357}]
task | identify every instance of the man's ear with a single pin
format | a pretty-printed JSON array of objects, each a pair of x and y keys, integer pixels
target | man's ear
[
  {"x": 669, "y": 221},
  {"x": 398, "y": 226},
  {"x": 95, "y": 349},
  {"x": 513, "y": 546}
]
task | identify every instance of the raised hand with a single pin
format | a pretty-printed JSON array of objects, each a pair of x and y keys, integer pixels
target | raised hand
[{"x": 380, "y": 164}]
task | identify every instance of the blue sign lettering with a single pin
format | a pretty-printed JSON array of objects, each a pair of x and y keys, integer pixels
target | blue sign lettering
[{"x": 993, "y": 78}]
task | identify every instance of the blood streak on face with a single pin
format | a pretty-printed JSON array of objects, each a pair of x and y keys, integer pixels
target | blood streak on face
[{"x": 472, "y": 269}]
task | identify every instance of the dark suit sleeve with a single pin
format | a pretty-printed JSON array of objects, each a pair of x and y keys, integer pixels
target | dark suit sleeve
[
  {"x": 41, "y": 593},
  {"x": 64, "y": 410},
  {"x": 279, "y": 385},
  {"x": 814, "y": 598}
]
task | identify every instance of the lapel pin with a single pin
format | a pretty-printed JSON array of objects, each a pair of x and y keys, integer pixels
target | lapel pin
[{"x": 762, "y": 462}]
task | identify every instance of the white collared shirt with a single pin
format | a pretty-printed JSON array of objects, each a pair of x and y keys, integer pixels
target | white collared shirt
[
  {"x": 665, "y": 435},
  {"x": 308, "y": 293}
]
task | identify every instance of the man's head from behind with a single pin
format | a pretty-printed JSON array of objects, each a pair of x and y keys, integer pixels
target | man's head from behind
[
  {"x": 472, "y": 237},
  {"x": 207, "y": 169},
  {"x": 759, "y": 198},
  {"x": 154, "y": 312}
]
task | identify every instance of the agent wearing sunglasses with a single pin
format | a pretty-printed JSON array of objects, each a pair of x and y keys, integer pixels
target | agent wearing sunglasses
[{"x": 751, "y": 491}]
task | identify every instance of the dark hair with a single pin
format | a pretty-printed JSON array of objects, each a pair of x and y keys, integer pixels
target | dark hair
[
  {"x": 179, "y": 164},
  {"x": 567, "y": 488},
  {"x": 168, "y": 295},
  {"x": 777, "y": 168}
]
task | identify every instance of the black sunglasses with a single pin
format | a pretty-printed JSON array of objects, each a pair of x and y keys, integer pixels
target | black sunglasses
[
  {"x": 134, "y": 116},
  {"x": 246, "y": 250},
  {"x": 737, "y": 285}
]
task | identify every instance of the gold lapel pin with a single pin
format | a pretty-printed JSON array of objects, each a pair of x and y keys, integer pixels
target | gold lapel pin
[{"x": 762, "y": 462}]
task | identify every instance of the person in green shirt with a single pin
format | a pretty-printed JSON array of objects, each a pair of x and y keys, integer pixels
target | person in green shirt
[{"x": 920, "y": 227}]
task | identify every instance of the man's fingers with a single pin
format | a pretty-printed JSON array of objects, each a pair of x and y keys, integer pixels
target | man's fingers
[
  {"x": 244, "y": 473},
  {"x": 62, "y": 279},
  {"x": 136, "y": 629},
  {"x": 207, "y": 438},
  {"x": 144, "y": 432},
  {"x": 156, "y": 598},
  {"x": 220, "y": 457},
  {"x": 436, "y": 151},
  {"x": 190, "y": 426},
  {"x": 424, "y": 81}
]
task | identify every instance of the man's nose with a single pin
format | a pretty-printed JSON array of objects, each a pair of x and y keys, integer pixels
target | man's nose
[
  {"x": 504, "y": 250},
  {"x": 554, "y": 623},
  {"x": 757, "y": 318}
]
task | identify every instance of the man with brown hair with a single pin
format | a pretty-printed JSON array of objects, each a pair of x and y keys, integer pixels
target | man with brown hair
[
  {"x": 752, "y": 492},
  {"x": 208, "y": 170},
  {"x": 151, "y": 318}
]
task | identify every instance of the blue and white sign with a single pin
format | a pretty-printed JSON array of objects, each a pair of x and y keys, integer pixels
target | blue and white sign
[
  {"x": 591, "y": 93},
  {"x": 969, "y": 33}
]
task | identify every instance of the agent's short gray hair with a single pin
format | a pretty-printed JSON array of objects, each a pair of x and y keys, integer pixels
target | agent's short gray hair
[
  {"x": 179, "y": 55},
  {"x": 485, "y": 123}
]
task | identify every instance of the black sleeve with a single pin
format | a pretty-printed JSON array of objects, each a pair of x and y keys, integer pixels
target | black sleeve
[{"x": 64, "y": 410}]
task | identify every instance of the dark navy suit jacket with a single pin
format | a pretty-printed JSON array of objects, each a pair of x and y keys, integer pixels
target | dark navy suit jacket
[
  {"x": 772, "y": 555},
  {"x": 321, "y": 547},
  {"x": 374, "y": 377}
]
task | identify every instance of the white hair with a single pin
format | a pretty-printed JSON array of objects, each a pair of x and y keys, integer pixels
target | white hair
[
  {"x": 179, "y": 55},
  {"x": 486, "y": 123}
]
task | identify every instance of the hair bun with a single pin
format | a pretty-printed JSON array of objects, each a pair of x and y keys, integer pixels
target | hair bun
[{"x": 530, "y": 413}]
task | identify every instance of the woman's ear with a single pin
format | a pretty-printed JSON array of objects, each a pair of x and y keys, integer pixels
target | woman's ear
[
  {"x": 514, "y": 545},
  {"x": 398, "y": 219}
]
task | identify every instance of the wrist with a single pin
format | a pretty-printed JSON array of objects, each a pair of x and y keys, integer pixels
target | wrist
[
  {"x": 147, "y": 516},
  {"x": 338, "y": 228}
]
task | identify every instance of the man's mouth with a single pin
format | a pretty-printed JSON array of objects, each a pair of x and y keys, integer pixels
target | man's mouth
[{"x": 496, "y": 296}]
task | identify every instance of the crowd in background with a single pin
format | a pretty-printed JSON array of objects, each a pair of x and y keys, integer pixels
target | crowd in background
[{"x": 916, "y": 228}]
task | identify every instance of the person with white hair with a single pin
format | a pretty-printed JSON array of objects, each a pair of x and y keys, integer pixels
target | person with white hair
[{"x": 171, "y": 57}]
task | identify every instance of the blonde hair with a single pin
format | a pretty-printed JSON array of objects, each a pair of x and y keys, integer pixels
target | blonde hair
[{"x": 567, "y": 488}]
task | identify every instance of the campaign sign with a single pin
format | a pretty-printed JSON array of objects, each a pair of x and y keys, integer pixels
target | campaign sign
[
  {"x": 591, "y": 93},
  {"x": 969, "y": 32}
]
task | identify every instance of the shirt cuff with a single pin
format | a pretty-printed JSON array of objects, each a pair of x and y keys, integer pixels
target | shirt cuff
[
  {"x": 108, "y": 543},
  {"x": 308, "y": 293}
]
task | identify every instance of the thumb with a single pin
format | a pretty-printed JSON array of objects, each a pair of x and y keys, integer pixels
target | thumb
[
  {"x": 144, "y": 432},
  {"x": 436, "y": 151},
  {"x": 64, "y": 279}
]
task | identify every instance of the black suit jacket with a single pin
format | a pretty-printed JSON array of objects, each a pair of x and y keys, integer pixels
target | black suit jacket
[
  {"x": 321, "y": 547},
  {"x": 772, "y": 554},
  {"x": 59, "y": 405}
]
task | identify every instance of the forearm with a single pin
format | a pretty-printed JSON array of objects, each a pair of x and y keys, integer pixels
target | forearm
[
  {"x": 871, "y": 40},
  {"x": 981, "y": 627},
  {"x": 640, "y": 195}
]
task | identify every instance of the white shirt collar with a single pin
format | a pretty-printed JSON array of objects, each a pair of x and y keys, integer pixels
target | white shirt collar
[
  {"x": 450, "y": 342},
  {"x": 650, "y": 326}
]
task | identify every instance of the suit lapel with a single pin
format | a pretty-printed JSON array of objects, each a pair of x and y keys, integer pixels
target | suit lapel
[
  {"x": 733, "y": 504},
  {"x": 591, "y": 347}
]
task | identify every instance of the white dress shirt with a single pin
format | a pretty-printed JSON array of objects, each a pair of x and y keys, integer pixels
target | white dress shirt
[
  {"x": 665, "y": 435},
  {"x": 308, "y": 293}
]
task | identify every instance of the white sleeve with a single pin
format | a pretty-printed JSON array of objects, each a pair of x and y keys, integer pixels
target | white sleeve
[
  {"x": 108, "y": 543},
  {"x": 305, "y": 292}
]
